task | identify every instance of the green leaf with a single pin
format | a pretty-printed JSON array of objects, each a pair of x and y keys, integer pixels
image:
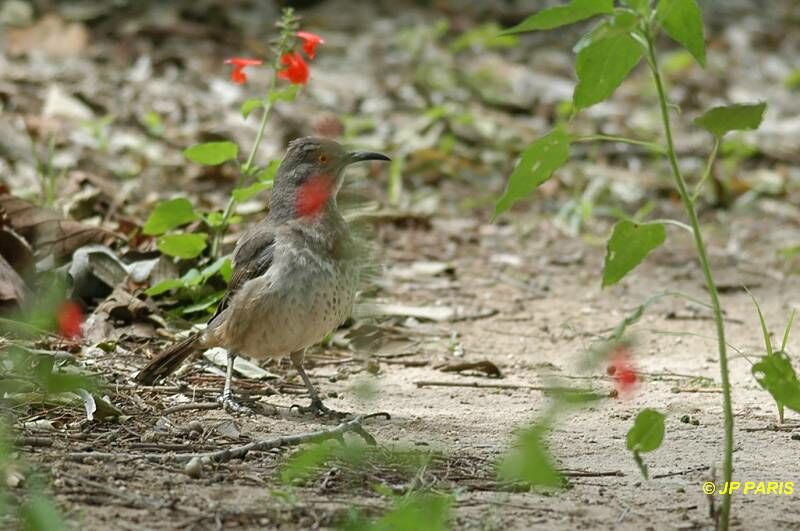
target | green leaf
[
  {"x": 420, "y": 510},
  {"x": 303, "y": 464},
  {"x": 640, "y": 6},
  {"x": 248, "y": 192},
  {"x": 164, "y": 286},
  {"x": 629, "y": 244},
  {"x": 554, "y": 17},
  {"x": 647, "y": 432},
  {"x": 620, "y": 23},
  {"x": 212, "y": 153},
  {"x": 529, "y": 460},
  {"x": 267, "y": 174},
  {"x": 41, "y": 514},
  {"x": 213, "y": 268},
  {"x": 683, "y": 21},
  {"x": 764, "y": 329},
  {"x": 287, "y": 94},
  {"x": 169, "y": 214},
  {"x": 183, "y": 245},
  {"x": 537, "y": 164},
  {"x": 226, "y": 271},
  {"x": 214, "y": 219},
  {"x": 249, "y": 106},
  {"x": 602, "y": 66},
  {"x": 776, "y": 374},
  {"x": 203, "y": 304},
  {"x": 739, "y": 117}
]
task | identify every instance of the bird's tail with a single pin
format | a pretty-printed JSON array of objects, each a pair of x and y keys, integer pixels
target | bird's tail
[{"x": 168, "y": 361}]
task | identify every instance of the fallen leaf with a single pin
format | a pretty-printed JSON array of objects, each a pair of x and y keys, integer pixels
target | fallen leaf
[
  {"x": 15, "y": 249},
  {"x": 50, "y": 35},
  {"x": 487, "y": 367},
  {"x": 12, "y": 288},
  {"x": 48, "y": 232}
]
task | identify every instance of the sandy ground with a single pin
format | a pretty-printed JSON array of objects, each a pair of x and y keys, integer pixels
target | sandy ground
[{"x": 549, "y": 308}]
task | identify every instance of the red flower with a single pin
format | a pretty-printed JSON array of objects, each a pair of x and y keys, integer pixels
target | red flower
[
  {"x": 239, "y": 63},
  {"x": 622, "y": 371},
  {"x": 69, "y": 318},
  {"x": 296, "y": 69},
  {"x": 310, "y": 42}
]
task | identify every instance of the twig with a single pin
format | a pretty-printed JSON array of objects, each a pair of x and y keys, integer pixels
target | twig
[
  {"x": 543, "y": 388},
  {"x": 130, "y": 500},
  {"x": 192, "y": 406},
  {"x": 774, "y": 427},
  {"x": 701, "y": 468},
  {"x": 33, "y": 441},
  {"x": 237, "y": 452},
  {"x": 591, "y": 474},
  {"x": 695, "y": 390}
]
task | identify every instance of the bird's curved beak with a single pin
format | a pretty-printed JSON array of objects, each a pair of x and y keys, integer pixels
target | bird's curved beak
[{"x": 360, "y": 156}]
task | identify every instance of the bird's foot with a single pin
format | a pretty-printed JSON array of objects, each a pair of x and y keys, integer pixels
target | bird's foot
[
  {"x": 318, "y": 409},
  {"x": 232, "y": 406}
]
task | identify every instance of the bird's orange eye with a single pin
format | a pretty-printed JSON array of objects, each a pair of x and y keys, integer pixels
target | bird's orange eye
[{"x": 323, "y": 159}]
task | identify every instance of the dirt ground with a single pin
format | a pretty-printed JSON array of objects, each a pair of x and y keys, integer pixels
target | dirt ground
[
  {"x": 549, "y": 307},
  {"x": 524, "y": 293}
]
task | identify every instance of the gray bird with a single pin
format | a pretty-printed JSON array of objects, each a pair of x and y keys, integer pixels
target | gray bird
[{"x": 295, "y": 273}]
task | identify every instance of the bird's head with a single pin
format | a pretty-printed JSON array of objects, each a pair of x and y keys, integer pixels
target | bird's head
[{"x": 311, "y": 175}]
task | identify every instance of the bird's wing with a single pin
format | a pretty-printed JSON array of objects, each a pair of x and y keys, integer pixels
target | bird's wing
[{"x": 251, "y": 259}]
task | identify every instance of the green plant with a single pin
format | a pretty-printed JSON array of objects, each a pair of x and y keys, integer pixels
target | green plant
[
  {"x": 625, "y": 35},
  {"x": 35, "y": 380},
  {"x": 774, "y": 371},
  {"x": 169, "y": 219}
]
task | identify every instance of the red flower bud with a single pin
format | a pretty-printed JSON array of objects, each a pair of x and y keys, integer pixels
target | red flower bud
[
  {"x": 70, "y": 318},
  {"x": 296, "y": 70},
  {"x": 239, "y": 63},
  {"x": 622, "y": 370},
  {"x": 310, "y": 42}
]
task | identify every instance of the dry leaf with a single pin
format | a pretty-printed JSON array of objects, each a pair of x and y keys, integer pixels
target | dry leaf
[
  {"x": 12, "y": 287},
  {"x": 50, "y": 35},
  {"x": 48, "y": 232}
]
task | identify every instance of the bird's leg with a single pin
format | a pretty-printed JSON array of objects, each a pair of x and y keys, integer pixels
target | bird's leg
[
  {"x": 226, "y": 398},
  {"x": 316, "y": 407}
]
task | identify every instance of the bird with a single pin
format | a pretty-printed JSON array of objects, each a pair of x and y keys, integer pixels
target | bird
[{"x": 295, "y": 273}]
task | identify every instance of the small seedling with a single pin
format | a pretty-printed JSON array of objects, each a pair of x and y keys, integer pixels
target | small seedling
[
  {"x": 624, "y": 36},
  {"x": 774, "y": 371},
  {"x": 170, "y": 219}
]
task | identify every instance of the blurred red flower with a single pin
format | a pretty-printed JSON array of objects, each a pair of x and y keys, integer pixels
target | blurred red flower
[
  {"x": 296, "y": 69},
  {"x": 70, "y": 318},
  {"x": 622, "y": 370},
  {"x": 310, "y": 42},
  {"x": 239, "y": 63}
]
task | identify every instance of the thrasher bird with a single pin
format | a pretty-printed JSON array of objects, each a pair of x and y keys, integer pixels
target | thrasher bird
[{"x": 295, "y": 273}]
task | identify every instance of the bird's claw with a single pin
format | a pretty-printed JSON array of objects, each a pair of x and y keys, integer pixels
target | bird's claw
[
  {"x": 318, "y": 409},
  {"x": 232, "y": 406}
]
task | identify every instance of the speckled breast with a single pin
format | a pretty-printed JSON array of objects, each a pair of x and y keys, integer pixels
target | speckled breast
[{"x": 294, "y": 305}]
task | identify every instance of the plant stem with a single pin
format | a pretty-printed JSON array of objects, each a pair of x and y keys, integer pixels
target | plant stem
[
  {"x": 246, "y": 171},
  {"x": 725, "y": 510},
  {"x": 288, "y": 25},
  {"x": 707, "y": 173},
  {"x": 622, "y": 139}
]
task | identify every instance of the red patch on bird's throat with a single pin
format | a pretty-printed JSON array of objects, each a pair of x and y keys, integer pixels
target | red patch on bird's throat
[{"x": 313, "y": 194}]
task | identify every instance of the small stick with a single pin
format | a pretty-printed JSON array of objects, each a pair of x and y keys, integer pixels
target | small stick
[
  {"x": 192, "y": 406},
  {"x": 591, "y": 474},
  {"x": 695, "y": 390},
  {"x": 774, "y": 427},
  {"x": 221, "y": 456},
  {"x": 701, "y": 468},
  {"x": 543, "y": 388},
  {"x": 33, "y": 441}
]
